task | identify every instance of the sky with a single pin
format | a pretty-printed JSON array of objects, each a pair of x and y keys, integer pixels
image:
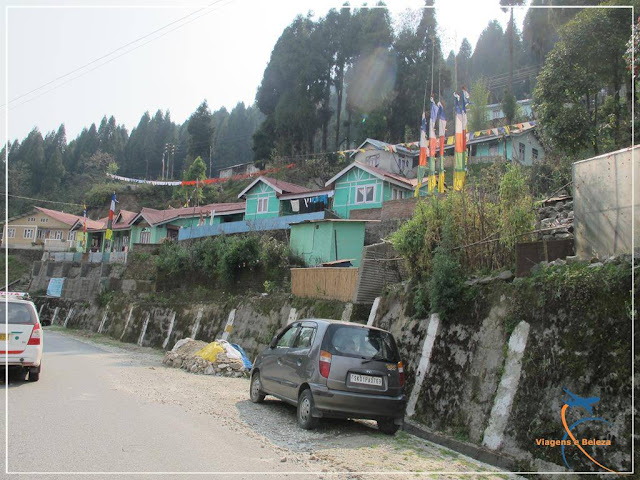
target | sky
[{"x": 58, "y": 67}]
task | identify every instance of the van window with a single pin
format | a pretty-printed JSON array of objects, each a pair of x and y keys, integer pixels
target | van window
[
  {"x": 360, "y": 342},
  {"x": 20, "y": 313}
]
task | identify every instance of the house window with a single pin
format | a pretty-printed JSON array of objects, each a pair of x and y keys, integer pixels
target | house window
[
  {"x": 32, "y": 219},
  {"x": 145, "y": 237},
  {"x": 44, "y": 220},
  {"x": 396, "y": 194},
  {"x": 11, "y": 233},
  {"x": 72, "y": 235},
  {"x": 43, "y": 233},
  {"x": 263, "y": 204},
  {"x": 373, "y": 160},
  {"x": 521, "y": 148},
  {"x": 58, "y": 235},
  {"x": 28, "y": 233},
  {"x": 365, "y": 194},
  {"x": 534, "y": 154},
  {"x": 404, "y": 163}
]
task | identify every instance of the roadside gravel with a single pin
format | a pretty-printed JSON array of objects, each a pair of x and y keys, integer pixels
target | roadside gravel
[{"x": 336, "y": 449}]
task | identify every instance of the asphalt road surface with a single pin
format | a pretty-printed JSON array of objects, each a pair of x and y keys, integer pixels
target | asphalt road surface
[{"x": 111, "y": 407}]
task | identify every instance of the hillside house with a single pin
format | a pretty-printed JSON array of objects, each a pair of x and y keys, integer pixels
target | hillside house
[
  {"x": 513, "y": 143},
  {"x": 395, "y": 159},
  {"x": 328, "y": 240},
  {"x": 46, "y": 229},
  {"x": 240, "y": 169},
  {"x": 359, "y": 186},
  {"x": 263, "y": 197}
]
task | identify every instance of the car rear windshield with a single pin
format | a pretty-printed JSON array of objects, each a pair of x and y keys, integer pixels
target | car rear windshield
[
  {"x": 360, "y": 342},
  {"x": 20, "y": 313}
]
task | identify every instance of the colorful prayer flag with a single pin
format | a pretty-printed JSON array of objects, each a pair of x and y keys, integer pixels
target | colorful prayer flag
[
  {"x": 442, "y": 125},
  {"x": 433, "y": 115},
  {"x": 458, "y": 170},
  {"x": 112, "y": 210},
  {"x": 422, "y": 163}
]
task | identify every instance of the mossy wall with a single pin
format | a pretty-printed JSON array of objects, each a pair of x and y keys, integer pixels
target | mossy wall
[
  {"x": 257, "y": 318},
  {"x": 580, "y": 339}
]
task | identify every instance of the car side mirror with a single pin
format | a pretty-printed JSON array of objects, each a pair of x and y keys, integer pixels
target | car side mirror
[{"x": 274, "y": 342}]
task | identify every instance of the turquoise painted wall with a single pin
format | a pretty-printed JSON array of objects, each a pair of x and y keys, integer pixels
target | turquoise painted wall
[
  {"x": 261, "y": 190},
  {"x": 317, "y": 242},
  {"x": 344, "y": 199}
]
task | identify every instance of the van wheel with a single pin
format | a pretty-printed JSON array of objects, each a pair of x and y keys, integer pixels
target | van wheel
[
  {"x": 34, "y": 374},
  {"x": 387, "y": 426},
  {"x": 255, "y": 390},
  {"x": 305, "y": 407}
]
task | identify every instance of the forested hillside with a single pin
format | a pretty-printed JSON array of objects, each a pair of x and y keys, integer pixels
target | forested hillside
[{"x": 334, "y": 80}]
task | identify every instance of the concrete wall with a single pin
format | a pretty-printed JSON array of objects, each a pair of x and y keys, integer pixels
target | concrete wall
[{"x": 602, "y": 192}]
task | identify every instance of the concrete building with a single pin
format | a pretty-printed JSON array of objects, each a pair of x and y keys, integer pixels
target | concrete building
[
  {"x": 240, "y": 169},
  {"x": 395, "y": 159}
]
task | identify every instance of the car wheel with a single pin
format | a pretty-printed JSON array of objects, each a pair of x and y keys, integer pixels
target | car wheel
[
  {"x": 305, "y": 407},
  {"x": 255, "y": 389},
  {"x": 34, "y": 374},
  {"x": 387, "y": 426}
]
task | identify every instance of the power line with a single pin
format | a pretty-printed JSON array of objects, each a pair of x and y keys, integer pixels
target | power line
[
  {"x": 116, "y": 57},
  {"x": 49, "y": 201}
]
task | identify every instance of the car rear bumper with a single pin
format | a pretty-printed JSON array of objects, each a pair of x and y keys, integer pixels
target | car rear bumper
[
  {"x": 337, "y": 403},
  {"x": 24, "y": 360}
]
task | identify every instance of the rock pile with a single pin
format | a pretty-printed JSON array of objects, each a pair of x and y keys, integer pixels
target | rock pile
[
  {"x": 184, "y": 356},
  {"x": 556, "y": 214}
]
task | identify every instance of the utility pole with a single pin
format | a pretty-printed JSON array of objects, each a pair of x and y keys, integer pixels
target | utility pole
[{"x": 210, "y": 151}]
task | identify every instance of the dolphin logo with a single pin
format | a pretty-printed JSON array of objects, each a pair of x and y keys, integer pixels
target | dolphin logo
[{"x": 578, "y": 401}]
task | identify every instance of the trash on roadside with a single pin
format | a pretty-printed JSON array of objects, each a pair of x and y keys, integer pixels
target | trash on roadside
[{"x": 216, "y": 358}]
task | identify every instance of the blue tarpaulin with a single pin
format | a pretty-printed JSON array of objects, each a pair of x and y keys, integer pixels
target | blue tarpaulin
[{"x": 245, "y": 360}]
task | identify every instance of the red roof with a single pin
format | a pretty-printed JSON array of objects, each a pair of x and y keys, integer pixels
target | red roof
[
  {"x": 154, "y": 216},
  {"x": 66, "y": 218},
  {"x": 71, "y": 219},
  {"x": 286, "y": 187}
]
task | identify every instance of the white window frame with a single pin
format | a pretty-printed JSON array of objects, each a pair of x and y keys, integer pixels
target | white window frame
[
  {"x": 263, "y": 205},
  {"x": 31, "y": 231},
  {"x": 145, "y": 236},
  {"x": 72, "y": 235},
  {"x": 44, "y": 220},
  {"x": 32, "y": 219},
  {"x": 396, "y": 194},
  {"x": 57, "y": 235},
  {"x": 11, "y": 232},
  {"x": 373, "y": 160},
  {"x": 364, "y": 188}
]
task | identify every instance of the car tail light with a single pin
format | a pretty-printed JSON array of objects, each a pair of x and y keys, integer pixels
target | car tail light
[
  {"x": 325, "y": 363},
  {"x": 400, "y": 374},
  {"x": 35, "y": 335}
]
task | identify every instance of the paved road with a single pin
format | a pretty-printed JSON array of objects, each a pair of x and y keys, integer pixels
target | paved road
[
  {"x": 115, "y": 408},
  {"x": 74, "y": 420}
]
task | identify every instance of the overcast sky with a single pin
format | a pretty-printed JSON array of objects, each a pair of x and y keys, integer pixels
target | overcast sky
[{"x": 218, "y": 53}]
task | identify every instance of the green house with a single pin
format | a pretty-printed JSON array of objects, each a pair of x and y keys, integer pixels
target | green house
[
  {"x": 320, "y": 241},
  {"x": 263, "y": 197},
  {"x": 361, "y": 186}
]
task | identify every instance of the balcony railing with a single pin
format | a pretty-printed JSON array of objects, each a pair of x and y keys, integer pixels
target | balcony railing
[{"x": 245, "y": 226}]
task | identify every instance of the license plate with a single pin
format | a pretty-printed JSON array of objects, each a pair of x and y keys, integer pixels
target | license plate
[
  {"x": 365, "y": 379},
  {"x": 3, "y": 336}
]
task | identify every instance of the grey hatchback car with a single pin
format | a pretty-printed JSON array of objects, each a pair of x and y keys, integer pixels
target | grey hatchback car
[{"x": 333, "y": 369}]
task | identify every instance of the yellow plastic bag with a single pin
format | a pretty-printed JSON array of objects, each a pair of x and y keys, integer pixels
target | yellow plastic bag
[{"x": 210, "y": 352}]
